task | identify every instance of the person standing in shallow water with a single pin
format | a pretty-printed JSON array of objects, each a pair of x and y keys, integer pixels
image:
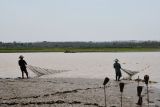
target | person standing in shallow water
[
  {"x": 117, "y": 68},
  {"x": 22, "y": 63}
]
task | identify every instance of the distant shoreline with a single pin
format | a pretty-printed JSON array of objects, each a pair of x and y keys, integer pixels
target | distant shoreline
[{"x": 75, "y": 50}]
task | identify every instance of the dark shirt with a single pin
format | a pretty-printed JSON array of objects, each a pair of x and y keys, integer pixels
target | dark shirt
[
  {"x": 22, "y": 63},
  {"x": 117, "y": 66}
]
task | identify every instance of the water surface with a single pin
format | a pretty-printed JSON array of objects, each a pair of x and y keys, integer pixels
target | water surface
[{"x": 83, "y": 65}]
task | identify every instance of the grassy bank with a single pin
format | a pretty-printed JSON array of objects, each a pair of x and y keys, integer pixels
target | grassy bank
[{"x": 14, "y": 50}]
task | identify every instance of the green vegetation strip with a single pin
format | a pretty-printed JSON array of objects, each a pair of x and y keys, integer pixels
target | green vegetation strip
[{"x": 14, "y": 50}]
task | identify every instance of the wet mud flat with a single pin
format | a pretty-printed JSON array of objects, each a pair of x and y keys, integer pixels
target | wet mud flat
[{"x": 71, "y": 92}]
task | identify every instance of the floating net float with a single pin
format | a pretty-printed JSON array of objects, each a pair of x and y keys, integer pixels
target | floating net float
[
  {"x": 43, "y": 71},
  {"x": 130, "y": 73}
]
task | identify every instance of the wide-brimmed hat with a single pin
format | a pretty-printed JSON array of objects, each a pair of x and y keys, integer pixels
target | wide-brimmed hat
[
  {"x": 21, "y": 56},
  {"x": 116, "y": 60}
]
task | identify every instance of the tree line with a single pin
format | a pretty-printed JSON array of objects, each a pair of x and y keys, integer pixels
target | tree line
[{"x": 107, "y": 44}]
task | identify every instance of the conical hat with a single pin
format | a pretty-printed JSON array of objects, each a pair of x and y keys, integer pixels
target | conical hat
[
  {"x": 21, "y": 56},
  {"x": 116, "y": 60}
]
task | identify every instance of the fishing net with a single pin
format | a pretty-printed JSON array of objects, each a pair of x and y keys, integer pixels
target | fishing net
[
  {"x": 130, "y": 72},
  {"x": 43, "y": 71}
]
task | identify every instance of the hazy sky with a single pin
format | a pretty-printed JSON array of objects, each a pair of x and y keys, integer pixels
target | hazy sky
[{"x": 79, "y": 20}]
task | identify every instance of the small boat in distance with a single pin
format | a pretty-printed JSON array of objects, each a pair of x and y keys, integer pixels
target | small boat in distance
[{"x": 68, "y": 51}]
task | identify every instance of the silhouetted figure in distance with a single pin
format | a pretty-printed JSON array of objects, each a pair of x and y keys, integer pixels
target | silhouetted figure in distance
[
  {"x": 22, "y": 63},
  {"x": 117, "y": 68}
]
